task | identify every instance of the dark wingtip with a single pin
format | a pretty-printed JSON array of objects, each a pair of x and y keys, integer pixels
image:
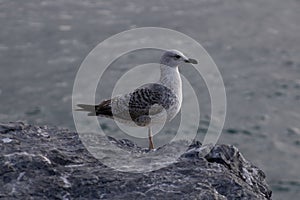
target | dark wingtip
[{"x": 81, "y": 105}]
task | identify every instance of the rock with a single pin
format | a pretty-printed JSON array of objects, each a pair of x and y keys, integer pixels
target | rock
[
  {"x": 11, "y": 127},
  {"x": 59, "y": 167}
]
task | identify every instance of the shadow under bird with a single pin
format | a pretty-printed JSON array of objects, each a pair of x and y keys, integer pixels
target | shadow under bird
[{"x": 152, "y": 103}]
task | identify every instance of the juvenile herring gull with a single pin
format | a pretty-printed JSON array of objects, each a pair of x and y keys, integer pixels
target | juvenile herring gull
[{"x": 151, "y": 103}]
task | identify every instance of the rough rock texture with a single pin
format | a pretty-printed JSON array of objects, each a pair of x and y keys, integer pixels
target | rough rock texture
[{"x": 50, "y": 163}]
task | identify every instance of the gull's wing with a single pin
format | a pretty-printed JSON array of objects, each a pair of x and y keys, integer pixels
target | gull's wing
[
  {"x": 148, "y": 100},
  {"x": 149, "y": 95}
]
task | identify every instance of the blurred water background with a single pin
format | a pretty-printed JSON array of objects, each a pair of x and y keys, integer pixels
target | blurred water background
[{"x": 255, "y": 44}]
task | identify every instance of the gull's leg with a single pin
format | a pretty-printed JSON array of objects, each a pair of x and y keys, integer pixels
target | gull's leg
[{"x": 151, "y": 146}]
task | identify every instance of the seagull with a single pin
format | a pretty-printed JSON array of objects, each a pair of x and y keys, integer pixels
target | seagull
[{"x": 149, "y": 104}]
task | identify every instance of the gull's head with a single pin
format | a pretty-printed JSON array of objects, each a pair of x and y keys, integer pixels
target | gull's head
[{"x": 174, "y": 58}]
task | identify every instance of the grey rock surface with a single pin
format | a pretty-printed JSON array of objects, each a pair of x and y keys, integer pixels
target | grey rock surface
[{"x": 51, "y": 163}]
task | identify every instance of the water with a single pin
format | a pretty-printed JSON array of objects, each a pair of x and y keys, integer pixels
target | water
[{"x": 255, "y": 44}]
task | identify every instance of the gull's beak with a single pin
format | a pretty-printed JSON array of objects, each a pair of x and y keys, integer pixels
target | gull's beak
[{"x": 190, "y": 60}]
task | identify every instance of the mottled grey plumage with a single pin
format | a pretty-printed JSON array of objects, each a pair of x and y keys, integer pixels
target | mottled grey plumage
[{"x": 150, "y": 95}]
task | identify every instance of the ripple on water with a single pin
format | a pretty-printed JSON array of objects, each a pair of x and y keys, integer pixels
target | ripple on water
[
  {"x": 293, "y": 131},
  {"x": 285, "y": 185},
  {"x": 234, "y": 131},
  {"x": 33, "y": 111},
  {"x": 65, "y": 27},
  {"x": 3, "y": 48},
  {"x": 65, "y": 16}
]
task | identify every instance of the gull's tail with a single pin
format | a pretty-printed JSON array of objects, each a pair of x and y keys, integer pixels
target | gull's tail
[{"x": 103, "y": 109}]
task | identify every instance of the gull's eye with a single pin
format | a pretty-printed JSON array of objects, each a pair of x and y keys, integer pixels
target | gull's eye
[{"x": 177, "y": 57}]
